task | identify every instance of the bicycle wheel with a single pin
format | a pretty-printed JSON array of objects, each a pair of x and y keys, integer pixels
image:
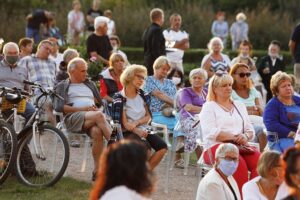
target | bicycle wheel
[
  {"x": 42, "y": 161},
  {"x": 8, "y": 149}
]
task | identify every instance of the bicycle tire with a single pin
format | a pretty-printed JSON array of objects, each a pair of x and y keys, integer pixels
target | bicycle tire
[
  {"x": 8, "y": 149},
  {"x": 32, "y": 165}
]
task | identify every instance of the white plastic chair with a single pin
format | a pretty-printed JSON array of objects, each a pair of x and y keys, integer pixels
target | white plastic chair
[
  {"x": 87, "y": 141},
  {"x": 161, "y": 128}
]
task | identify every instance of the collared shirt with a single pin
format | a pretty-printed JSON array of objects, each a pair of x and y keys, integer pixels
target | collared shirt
[
  {"x": 12, "y": 77},
  {"x": 40, "y": 71}
]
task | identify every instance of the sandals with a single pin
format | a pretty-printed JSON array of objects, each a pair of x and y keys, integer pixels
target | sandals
[{"x": 179, "y": 164}]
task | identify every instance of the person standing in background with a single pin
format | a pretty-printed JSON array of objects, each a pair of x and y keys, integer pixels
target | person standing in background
[
  {"x": 239, "y": 31},
  {"x": 177, "y": 39},
  {"x": 111, "y": 23},
  {"x": 92, "y": 13},
  {"x": 75, "y": 23},
  {"x": 34, "y": 21},
  {"x": 153, "y": 39},
  {"x": 294, "y": 45},
  {"x": 219, "y": 27}
]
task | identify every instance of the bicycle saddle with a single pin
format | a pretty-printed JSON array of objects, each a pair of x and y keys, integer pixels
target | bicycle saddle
[{"x": 13, "y": 98}]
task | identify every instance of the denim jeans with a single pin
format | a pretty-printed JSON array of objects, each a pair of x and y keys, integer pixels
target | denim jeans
[
  {"x": 281, "y": 144},
  {"x": 28, "y": 111},
  {"x": 33, "y": 33}
]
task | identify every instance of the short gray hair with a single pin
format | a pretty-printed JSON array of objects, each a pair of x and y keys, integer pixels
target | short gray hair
[
  {"x": 200, "y": 71},
  {"x": 225, "y": 148},
  {"x": 100, "y": 21},
  {"x": 74, "y": 62},
  {"x": 8, "y": 45},
  {"x": 69, "y": 54}
]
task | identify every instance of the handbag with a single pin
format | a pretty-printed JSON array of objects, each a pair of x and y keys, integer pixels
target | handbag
[
  {"x": 243, "y": 149},
  {"x": 167, "y": 110}
]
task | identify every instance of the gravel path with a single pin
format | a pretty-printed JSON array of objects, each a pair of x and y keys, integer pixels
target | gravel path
[{"x": 180, "y": 187}]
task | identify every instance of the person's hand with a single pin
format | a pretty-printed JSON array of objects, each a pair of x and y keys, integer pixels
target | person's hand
[
  {"x": 130, "y": 126},
  {"x": 143, "y": 133},
  {"x": 157, "y": 93},
  {"x": 188, "y": 107},
  {"x": 240, "y": 139},
  {"x": 291, "y": 134}
]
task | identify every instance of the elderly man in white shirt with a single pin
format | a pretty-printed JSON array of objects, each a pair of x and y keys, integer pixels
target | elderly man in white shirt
[
  {"x": 219, "y": 182},
  {"x": 177, "y": 41}
]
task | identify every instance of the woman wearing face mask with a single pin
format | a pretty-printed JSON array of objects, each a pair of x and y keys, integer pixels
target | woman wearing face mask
[
  {"x": 224, "y": 120},
  {"x": 219, "y": 27},
  {"x": 219, "y": 183},
  {"x": 177, "y": 78},
  {"x": 291, "y": 161},
  {"x": 269, "y": 184},
  {"x": 245, "y": 53}
]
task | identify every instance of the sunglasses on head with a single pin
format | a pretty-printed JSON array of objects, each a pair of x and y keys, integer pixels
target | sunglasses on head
[{"x": 242, "y": 75}]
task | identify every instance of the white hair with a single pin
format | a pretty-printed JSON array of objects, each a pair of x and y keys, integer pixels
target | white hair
[
  {"x": 212, "y": 40},
  {"x": 9, "y": 45},
  {"x": 74, "y": 62},
  {"x": 200, "y": 71},
  {"x": 241, "y": 16},
  {"x": 100, "y": 21},
  {"x": 69, "y": 54},
  {"x": 225, "y": 148}
]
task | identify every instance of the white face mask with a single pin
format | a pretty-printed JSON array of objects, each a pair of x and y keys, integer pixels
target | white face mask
[
  {"x": 115, "y": 48},
  {"x": 176, "y": 80}
]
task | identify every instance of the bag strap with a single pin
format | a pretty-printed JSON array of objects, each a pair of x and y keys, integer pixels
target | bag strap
[{"x": 240, "y": 116}]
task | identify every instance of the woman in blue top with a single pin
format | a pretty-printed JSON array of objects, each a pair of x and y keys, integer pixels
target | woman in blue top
[
  {"x": 245, "y": 92},
  {"x": 282, "y": 113},
  {"x": 162, "y": 91}
]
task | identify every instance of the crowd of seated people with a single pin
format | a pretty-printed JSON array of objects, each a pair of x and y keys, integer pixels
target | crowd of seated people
[{"x": 222, "y": 95}]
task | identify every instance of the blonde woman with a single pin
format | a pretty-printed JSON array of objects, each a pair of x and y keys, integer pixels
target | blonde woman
[
  {"x": 223, "y": 120},
  {"x": 131, "y": 108}
]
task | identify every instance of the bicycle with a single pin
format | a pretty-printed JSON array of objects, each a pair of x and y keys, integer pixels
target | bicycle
[
  {"x": 38, "y": 163},
  {"x": 8, "y": 140}
]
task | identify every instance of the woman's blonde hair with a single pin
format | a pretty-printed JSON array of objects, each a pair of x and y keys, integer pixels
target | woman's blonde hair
[
  {"x": 267, "y": 161},
  {"x": 220, "y": 78},
  {"x": 161, "y": 61},
  {"x": 276, "y": 79},
  {"x": 113, "y": 59},
  {"x": 233, "y": 70},
  {"x": 130, "y": 71}
]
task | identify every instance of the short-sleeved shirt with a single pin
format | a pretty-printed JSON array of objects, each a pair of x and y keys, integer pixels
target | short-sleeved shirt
[
  {"x": 170, "y": 35},
  {"x": 12, "y": 77},
  {"x": 296, "y": 38},
  {"x": 80, "y": 95},
  {"x": 167, "y": 87},
  {"x": 99, "y": 44},
  {"x": 250, "y": 101},
  {"x": 94, "y": 14},
  {"x": 188, "y": 96},
  {"x": 38, "y": 17}
]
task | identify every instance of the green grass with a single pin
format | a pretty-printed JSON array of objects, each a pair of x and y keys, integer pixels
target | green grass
[{"x": 66, "y": 188}]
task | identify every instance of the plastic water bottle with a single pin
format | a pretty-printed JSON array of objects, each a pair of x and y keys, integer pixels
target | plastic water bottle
[{"x": 297, "y": 136}]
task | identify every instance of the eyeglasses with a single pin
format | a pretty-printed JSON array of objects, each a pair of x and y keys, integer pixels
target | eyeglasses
[
  {"x": 140, "y": 77},
  {"x": 228, "y": 158},
  {"x": 242, "y": 75}
]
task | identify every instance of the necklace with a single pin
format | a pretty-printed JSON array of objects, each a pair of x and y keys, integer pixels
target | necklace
[{"x": 230, "y": 111}]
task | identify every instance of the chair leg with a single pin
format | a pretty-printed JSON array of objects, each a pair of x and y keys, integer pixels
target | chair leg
[
  {"x": 168, "y": 171},
  {"x": 186, "y": 163},
  {"x": 173, "y": 153},
  {"x": 85, "y": 152}
]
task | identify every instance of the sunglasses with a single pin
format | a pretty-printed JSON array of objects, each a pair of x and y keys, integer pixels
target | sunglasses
[{"x": 242, "y": 75}]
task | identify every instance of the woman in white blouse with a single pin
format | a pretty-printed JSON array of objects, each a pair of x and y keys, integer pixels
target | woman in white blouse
[
  {"x": 269, "y": 185},
  {"x": 224, "y": 120}
]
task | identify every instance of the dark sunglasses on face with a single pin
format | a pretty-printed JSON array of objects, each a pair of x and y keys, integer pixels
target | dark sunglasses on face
[{"x": 242, "y": 75}]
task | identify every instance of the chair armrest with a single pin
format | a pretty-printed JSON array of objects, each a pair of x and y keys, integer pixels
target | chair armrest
[{"x": 163, "y": 128}]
